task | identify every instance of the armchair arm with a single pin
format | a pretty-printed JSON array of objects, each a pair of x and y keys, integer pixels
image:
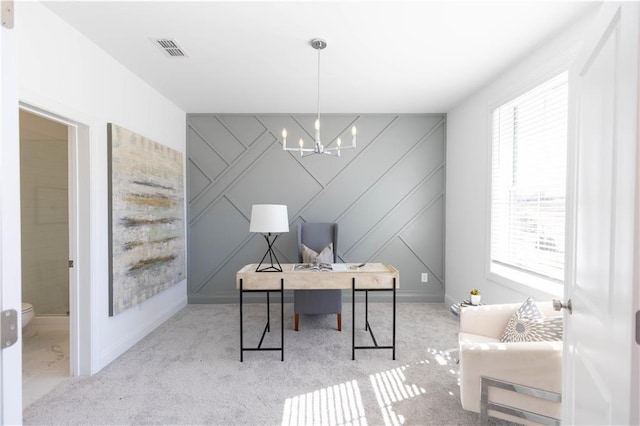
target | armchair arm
[{"x": 534, "y": 364}]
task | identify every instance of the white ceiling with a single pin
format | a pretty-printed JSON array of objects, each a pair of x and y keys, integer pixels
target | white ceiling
[{"x": 382, "y": 56}]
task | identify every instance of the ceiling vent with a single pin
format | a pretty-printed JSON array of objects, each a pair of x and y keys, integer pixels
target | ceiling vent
[{"x": 170, "y": 47}]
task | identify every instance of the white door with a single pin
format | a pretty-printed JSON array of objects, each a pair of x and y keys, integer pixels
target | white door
[
  {"x": 599, "y": 376},
  {"x": 10, "y": 275}
]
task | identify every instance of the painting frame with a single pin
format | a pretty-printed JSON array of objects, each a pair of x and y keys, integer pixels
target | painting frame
[{"x": 146, "y": 224}]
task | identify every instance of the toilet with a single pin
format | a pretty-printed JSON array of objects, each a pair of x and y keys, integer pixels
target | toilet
[{"x": 27, "y": 314}]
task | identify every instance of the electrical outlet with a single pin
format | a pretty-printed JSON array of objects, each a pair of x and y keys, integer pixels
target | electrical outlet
[{"x": 425, "y": 277}]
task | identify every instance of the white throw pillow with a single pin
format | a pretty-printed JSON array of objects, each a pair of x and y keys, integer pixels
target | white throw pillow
[
  {"x": 527, "y": 324},
  {"x": 310, "y": 256}
]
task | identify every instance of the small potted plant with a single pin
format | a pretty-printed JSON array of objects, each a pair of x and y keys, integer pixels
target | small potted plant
[{"x": 475, "y": 296}]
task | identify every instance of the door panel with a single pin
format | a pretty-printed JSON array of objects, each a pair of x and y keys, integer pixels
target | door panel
[
  {"x": 595, "y": 178},
  {"x": 599, "y": 281}
]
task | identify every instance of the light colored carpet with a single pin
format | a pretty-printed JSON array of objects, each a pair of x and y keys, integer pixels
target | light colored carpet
[{"x": 188, "y": 371}]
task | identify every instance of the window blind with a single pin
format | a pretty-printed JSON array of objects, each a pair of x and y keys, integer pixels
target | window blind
[{"x": 528, "y": 176}]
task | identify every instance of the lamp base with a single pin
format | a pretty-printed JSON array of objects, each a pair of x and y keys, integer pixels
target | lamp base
[
  {"x": 272, "y": 256},
  {"x": 272, "y": 268}
]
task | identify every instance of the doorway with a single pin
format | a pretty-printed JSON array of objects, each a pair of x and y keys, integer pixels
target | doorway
[{"x": 45, "y": 240}]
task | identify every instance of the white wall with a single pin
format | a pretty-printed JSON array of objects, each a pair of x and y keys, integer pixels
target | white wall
[
  {"x": 62, "y": 72},
  {"x": 468, "y": 163}
]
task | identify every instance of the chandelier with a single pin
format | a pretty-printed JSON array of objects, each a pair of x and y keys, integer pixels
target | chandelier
[{"x": 318, "y": 44}]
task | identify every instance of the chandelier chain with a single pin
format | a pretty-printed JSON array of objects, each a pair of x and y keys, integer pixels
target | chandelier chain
[{"x": 319, "y": 84}]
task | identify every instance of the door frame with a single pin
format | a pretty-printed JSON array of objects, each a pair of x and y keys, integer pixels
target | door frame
[
  {"x": 79, "y": 296},
  {"x": 10, "y": 270},
  {"x": 635, "y": 351}
]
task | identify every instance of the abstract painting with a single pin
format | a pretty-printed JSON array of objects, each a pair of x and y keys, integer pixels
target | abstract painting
[{"x": 146, "y": 218}]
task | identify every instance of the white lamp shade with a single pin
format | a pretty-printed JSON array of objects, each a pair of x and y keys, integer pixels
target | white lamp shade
[{"x": 269, "y": 218}]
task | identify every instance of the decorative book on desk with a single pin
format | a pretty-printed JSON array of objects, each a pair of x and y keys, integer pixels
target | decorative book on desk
[{"x": 313, "y": 267}]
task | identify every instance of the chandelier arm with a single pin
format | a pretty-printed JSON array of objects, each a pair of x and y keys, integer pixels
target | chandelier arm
[
  {"x": 342, "y": 148},
  {"x": 299, "y": 149},
  {"x": 314, "y": 153}
]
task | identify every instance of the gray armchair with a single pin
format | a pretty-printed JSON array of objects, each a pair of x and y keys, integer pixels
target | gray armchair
[{"x": 317, "y": 236}]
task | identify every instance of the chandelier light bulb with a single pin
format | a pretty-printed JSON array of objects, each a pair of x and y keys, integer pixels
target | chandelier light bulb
[
  {"x": 353, "y": 139},
  {"x": 317, "y": 124},
  {"x": 301, "y": 143},
  {"x": 284, "y": 133},
  {"x": 339, "y": 142}
]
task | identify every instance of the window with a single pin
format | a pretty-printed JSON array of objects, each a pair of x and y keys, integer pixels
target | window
[{"x": 528, "y": 177}]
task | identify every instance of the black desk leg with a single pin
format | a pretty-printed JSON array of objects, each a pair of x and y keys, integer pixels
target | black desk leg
[
  {"x": 353, "y": 319},
  {"x": 367, "y": 326},
  {"x": 268, "y": 315},
  {"x": 282, "y": 318},
  {"x": 394, "y": 319},
  {"x": 241, "y": 347},
  {"x": 366, "y": 310},
  {"x": 267, "y": 327}
]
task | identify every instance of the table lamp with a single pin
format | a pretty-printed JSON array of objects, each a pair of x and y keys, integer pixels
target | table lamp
[{"x": 270, "y": 220}]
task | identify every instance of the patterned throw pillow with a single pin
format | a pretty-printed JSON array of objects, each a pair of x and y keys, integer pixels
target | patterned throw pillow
[
  {"x": 527, "y": 324},
  {"x": 310, "y": 256}
]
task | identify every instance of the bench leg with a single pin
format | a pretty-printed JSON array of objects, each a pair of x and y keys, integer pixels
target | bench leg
[{"x": 296, "y": 321}]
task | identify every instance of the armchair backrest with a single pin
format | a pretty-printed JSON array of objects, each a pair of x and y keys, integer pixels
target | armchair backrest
[
  {"x": 317, "y": 236},
  {"x": 491, "y": 320}
]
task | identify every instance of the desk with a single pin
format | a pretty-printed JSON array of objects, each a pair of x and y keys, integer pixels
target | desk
[{"x": 370, "y": 277}]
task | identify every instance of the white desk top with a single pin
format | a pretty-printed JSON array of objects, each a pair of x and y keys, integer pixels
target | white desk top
[{"x": 369, "y": 276}]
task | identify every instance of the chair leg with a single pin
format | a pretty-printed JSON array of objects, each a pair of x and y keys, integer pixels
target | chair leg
[
  {"x": 296, "y": 320},
  {"x": 339, "y": 321}
]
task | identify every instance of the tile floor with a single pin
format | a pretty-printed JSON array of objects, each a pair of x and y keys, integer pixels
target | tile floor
[{"x": 45, "y": 360}]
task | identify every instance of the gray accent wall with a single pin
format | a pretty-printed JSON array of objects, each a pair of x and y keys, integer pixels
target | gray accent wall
[{"x": 387, "y": 195}]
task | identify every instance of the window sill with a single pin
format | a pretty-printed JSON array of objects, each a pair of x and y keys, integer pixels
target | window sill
[{"x": 523, "y": 282}]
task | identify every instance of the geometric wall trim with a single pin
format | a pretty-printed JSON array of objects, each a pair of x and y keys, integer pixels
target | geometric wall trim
[{"x": 387, "y": 195}]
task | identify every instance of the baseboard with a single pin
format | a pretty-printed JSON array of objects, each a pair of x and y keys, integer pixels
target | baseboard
[
  {"x": 111, "y": 354},
  {"x": 450, "y": 300}
]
